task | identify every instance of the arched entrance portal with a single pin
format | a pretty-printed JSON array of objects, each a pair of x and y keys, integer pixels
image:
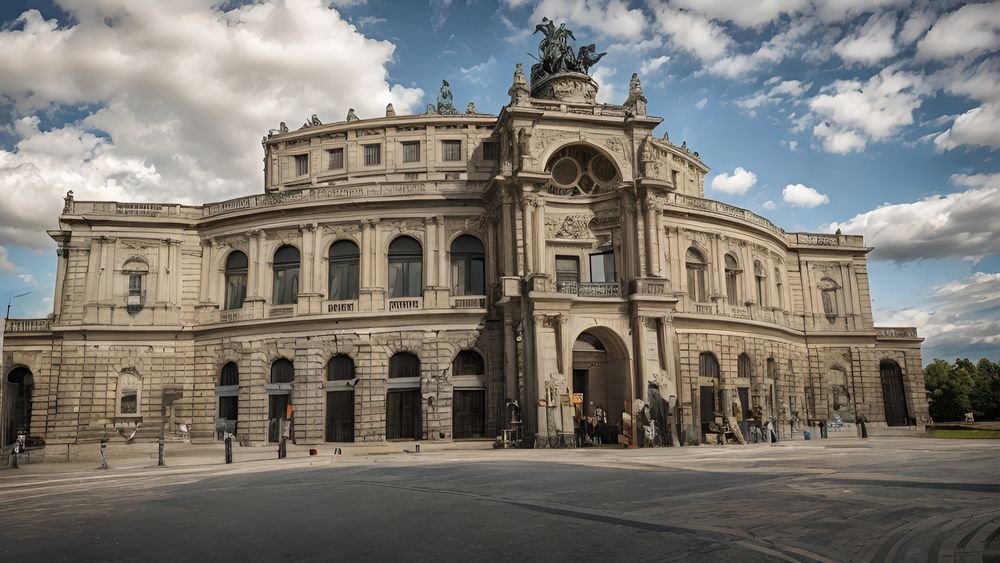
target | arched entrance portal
[
  {"x": 893, "y": 394},
  {"x": 601, "y": 371},
  {"x": 17, "y": 396}
]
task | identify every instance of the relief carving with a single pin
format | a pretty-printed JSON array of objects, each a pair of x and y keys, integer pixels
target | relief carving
[{"x": 568, "y": 226}]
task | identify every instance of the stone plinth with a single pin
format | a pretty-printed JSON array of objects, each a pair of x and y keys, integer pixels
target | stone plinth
[{"x": 566, "y": 87}]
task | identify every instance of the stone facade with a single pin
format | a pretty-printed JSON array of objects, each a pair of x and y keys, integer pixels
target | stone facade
[{"x": 592, "y": 232}]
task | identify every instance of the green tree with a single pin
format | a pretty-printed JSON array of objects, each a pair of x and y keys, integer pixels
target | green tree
[
  {"x": 949, "y": 386},
  {"x": 985, "y": 394}
]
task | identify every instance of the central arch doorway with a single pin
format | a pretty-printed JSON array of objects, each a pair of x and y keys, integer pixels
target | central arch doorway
[
  {"x": 601, "y": 373},
  {"x": 17, "y": 396}
]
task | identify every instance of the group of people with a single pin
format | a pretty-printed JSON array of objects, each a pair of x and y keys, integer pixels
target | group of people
[{"x": 592, "y": 430}]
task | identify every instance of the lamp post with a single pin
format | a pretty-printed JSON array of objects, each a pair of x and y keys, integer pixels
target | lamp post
[{"x": 3, "y": 366}]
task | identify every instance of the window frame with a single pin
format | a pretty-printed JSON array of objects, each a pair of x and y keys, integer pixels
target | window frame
[
  {"x": 229, "y": 272},
  {"x": 695, "y": 267},
  {"x": 465, "y": 264},
  {"x": 377, "y": 147},
  {"x": 128, "y": 381},
  {"x": 284, "y": 269},
  {"x": 413, "y": 143},
  {"x": 604, "y": 255},
  {"x": 449, "y": 143},
  {"x": 352, "y": 280},
  {"x": 300, "y": 161},
  {"x": 329, "y": 160},
  {"x": 407, "y": 260}
]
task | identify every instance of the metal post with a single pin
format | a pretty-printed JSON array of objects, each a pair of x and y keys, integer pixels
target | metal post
[
  {"x": 160, "y": 462},
  {"x": 229, "y": 448}
]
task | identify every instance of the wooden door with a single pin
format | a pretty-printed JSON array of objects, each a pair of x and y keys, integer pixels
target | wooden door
[
  {"x": 469, "y": 418},
  {"x": 894, "y": 395},
  {"x": 340, "y": 416},
  {"x": 402, "y": 415}
]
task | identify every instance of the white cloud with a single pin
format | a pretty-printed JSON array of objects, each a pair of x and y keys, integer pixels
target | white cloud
[
  {"x": 840, "y": 10},
  {"x": 181, "y": 92},
  {"x": 770, "y": 53},
  {"x": 743, "y": 13},
  {"x": 769, "y": 205},
  {"x": 852, "y": 113},
  {"x": 969, "y": 30},
  {"x": 960, "y": 318},
  {"x": 610, "y": 18},
  {"x": 607, "y": 91},
  {"x": 978, "y": 126},
  {"x": 916, "y": 24},
  {"x": 799, "y": 195},
  {"x": 700, "y": 104},
  {"x": 479, "y": 74},
  {"x": 962, "y": 224},
  {"x": 27, "y": 278},
  {"x": 792, "y": 89},
  {"x": 692, "y": 32},
  {"x": 871, "y": 42},
  {"x": 652, "y": 65},
  {"x": 5, "y": 264},
  {"x": 738, "y": 183}
]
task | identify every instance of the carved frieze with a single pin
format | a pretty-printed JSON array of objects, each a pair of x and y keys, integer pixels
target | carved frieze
[
  {"x": 568, "y": 226},
  {"x": 343, "y": 230},
  {"x": 541, "y": 139}
]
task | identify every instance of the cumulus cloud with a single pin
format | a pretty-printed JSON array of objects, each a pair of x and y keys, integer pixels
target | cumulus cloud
[
  {"x": 479, "y": 74},
  {"x": 5, "y": 264},
  {"x": 742, "y": 13},
  {"x": 692, "y": 32},
  {"x": 652, "y": 65},
  {"x": 783, "y": 89},
  {"x": 27, "y": 278},
  {"x": 963, "y": 224},
  {"x": 800, "y": 195},
  {"x": 960, "y": 318},
  {"x": 176, "y": 97},
  {"x": 969, "y": 30},
  {"x": 871, "y": 42},
  {"x": 610, "y": 18},
  {"x": 853, "y": 113},
  {"x": 770, "y": 53},
  {"x": 769, "y": 205},
  {"x": 737, "y": 183},
  {"x": 700, "y": 104}
]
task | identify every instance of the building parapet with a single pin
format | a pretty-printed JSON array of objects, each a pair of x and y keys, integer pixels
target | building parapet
[
  {"x": 824, "y": 239},
  {"x": 719, "y": 208},
  {"x": 27, "y": 325},
  {"x": 895, "y": 332}
]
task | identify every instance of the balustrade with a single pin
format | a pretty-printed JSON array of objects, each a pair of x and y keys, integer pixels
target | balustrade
[
  {"x": 406, "y": 304},
  {"x": 27, "y": 325}
]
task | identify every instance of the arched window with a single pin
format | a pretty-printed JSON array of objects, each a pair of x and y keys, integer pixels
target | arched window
[
  {"x": 405, "y": 268},
  {"x": 772, "y": 369},
  {"x": 744, "y": 365},
  {"x": 345, "y": 260},
  {"x": 404, "y": 364},
  {"x": 129, "y": 393},
  {"x": 468, "y": 266},
  {"x": 733, "y": 272},
  {"x": 708, "y": 365},
  {"x": 779, "y": 288},
  {"x": 236, "y": 280},
  {"x": 230, "y": 374},
  {"x": 340, "y": 368},
  {"x": 286, "y": 276},
  {"x": 135, "y": 271},
  {"x": 468, "y": 362},
  {"x": 828, "y": 291},
  {"x": 282, "y": 371},
  {"x": 760, "y": 282},
  {"x": 695, "y": 264}
]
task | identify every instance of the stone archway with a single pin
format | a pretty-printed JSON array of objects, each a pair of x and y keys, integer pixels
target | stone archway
[
  {"x": 20, "y": 385},
  {"x": 602, "y": 373}
]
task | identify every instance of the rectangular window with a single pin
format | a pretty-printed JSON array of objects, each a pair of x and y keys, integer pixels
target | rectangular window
[
  {"x": 134, "y": 285},
  {"x": 491, "y": 150},
  {"x": 130, "y": 401},
  {"x": 335, "y": 159},
  {"x": 405, "y": 277},
  {"x": 602, "y": 267},
  {"x": 301, "y": 164},
  {"x": 344, "y": 279},
  {"x": 411, "y": 151},
  {"x": 236, "y": 289},
  {"x": 373, "y": 155},
  {"x": 567, "y": 272},
  {"x": 286, "y": 285},
  {"x": 451, "y": 151}
]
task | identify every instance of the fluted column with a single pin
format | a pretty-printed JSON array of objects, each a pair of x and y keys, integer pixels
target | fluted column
[
  {"x": 539, "y": 235},
  {"x": 205, "y": 283}
]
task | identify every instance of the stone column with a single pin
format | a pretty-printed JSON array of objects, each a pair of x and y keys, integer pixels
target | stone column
[
  {"x": 94, "y": 270},
  {"x": 306, "y": 233},
  {"x": 772, "y": 286},
  {"x": 204, "y": 284},
  {"x": 443, "y": 279},
  {"x": 716, "y": 266},
  {"x": 652, "y": 240},
  {"x": 63, "y": 258},
  {"x": 539, "y": 235},
  {"x": 509, "y": 249},
  {"x": 430, "y": 252},
  {"x": 640, "y": 352},
  {"x": 541, "y": 421},
  {"x": 527, "y": 206},
  {"x": 253, "y": 287}
]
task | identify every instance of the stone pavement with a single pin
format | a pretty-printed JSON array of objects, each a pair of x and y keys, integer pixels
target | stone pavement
[{"x": 887, "y": 499}]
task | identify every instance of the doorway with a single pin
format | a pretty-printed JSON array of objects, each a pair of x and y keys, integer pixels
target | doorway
[
  {"x": 17, "y": 396},
  {"x": 340, "y": 416},
  {"x": 894, "y": 394},
  {"x": 602, "y": 374},
  {"x": 469, "y": 412},
  {"x": 402, "y": 415},
  {"x": 277, "y": 412}
]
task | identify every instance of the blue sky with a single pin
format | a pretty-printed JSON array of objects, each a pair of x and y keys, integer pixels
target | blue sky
[{"x": 880, "y": 117}]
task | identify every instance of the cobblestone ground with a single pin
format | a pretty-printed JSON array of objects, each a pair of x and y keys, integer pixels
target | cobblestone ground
[{"x": 843, "y": 500}]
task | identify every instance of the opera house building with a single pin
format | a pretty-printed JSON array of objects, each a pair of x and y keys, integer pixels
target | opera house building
[{"x": 457, "y": 275}]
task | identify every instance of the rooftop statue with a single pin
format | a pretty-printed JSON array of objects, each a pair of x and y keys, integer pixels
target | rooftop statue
[
  {"x": 555, "y": 55},
  {"x": 445, "y": 105}
]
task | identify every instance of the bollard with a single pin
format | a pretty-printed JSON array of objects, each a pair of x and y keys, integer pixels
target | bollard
[
  {"x": 418, "y": 448},
  {"x": 104, "y": 459},
  {"x": 282, "y": 448},
  {"x": 160, "y": 462},
  {"x": 229, "y": 448},
  {"x": 336, "y": 451}
]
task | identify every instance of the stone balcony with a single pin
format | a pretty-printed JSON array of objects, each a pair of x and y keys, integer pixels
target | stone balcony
[{"x": 590, "y": 289}]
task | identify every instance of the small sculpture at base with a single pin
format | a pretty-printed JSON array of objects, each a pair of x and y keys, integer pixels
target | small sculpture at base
[
  {"x": 390, "y": 111},
  {"x": 351, "y": 116},
  {"x": 444, "y": 100}
]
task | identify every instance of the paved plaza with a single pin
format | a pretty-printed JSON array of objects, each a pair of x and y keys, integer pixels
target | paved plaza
[{"x": 883, "y": 499}]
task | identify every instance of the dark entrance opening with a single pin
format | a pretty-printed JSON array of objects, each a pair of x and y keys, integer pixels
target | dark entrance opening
[
  {"x": 402, "y": 415},
  {"x": 580, "y": 383},
  {"x": 894, "y": 394},
  {"x": 340, "y": 416},
  {"x": 18, "y": 398},
  {"x": 277, "y": 410},
  {"x": 744, "y": 393},
  {"x": 470, "y": 413},
  {"x": 706, "y": 406}
]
